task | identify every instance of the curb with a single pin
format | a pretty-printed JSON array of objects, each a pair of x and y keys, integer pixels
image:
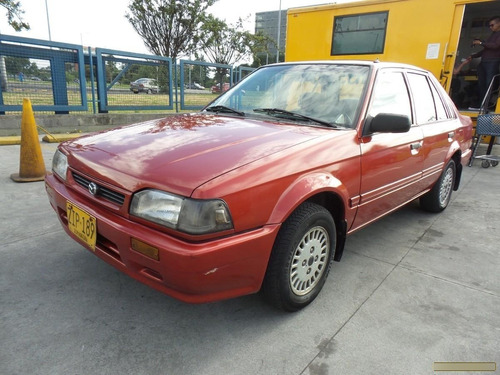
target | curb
[
  {"x": 16, "y": 139},
  {"x": 12, "y": 140},
  {"x": 60, "y": 138}
]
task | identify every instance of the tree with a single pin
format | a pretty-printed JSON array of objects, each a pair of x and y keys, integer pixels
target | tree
[
  {"x": 228, "y": 44},
  {"x": 14, "y": 65},
  {"x": 168, "y": 27},
  {"x": 14, "y": 14}
]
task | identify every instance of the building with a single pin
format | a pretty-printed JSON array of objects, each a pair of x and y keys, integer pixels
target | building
[{"x": 267, "y": 24}]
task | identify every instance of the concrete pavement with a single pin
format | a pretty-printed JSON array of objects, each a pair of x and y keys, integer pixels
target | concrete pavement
[{"x": 412, "y": 289}]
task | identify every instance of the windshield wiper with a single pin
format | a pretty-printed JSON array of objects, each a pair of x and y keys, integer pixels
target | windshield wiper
[
  {"x": 224, "y": 109},
  {"x": 292, "y": 115}
]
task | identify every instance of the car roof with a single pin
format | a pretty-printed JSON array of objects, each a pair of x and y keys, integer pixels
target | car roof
[{"x": 375, "y": 64}]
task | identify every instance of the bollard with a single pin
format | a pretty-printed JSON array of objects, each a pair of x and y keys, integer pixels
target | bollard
[{"x": 32, "y": 166}]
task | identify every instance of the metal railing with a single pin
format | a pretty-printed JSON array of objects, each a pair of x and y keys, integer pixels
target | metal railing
[{"x": 63, "y": 78}]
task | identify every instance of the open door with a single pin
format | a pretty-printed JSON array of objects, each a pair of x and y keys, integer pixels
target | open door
[{"x": 473, "y": 23}]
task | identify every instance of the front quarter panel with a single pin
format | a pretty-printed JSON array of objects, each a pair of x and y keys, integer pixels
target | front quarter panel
[
  {"x": 269, "y": 190},
  {"x": 304, "y": 188}
]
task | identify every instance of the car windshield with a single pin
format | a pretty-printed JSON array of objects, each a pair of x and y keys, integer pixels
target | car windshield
[{"x": 319, "y": 94}]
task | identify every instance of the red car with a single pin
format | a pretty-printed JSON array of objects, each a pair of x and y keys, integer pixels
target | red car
[
  {"x": 216, "y": 88},
  {"x": 259, "y": 190}
]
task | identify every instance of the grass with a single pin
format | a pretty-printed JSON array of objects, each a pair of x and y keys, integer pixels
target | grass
[{"x": 40, "y": 93}]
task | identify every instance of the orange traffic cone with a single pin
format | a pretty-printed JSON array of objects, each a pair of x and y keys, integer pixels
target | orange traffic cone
[{"x": 32, "y": 166}]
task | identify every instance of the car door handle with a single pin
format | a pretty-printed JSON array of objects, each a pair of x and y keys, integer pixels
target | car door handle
[
  {"x": 415, "y": 146},
  {"x": 451, "y": 135}
]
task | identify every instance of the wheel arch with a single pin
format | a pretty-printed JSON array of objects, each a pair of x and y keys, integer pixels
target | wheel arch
[
  {"x": 457, "y": 158},
  {"x": 335, "y": 205},
  {"x": 322, "y": 189}
]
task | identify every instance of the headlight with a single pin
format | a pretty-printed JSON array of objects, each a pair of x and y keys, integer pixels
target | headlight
[
  {"x": 183, "y": 214},
  {"x": 60, "y": 164}
]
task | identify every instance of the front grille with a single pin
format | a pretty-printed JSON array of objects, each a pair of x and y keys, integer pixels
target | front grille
[{"x": 102, "y": 191}]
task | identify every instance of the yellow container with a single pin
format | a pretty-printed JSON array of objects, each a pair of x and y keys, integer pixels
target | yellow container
[{"x": 425, "y": 33}]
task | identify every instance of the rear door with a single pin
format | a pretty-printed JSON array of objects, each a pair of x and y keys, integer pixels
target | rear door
[
  {"x": 438, "y": 123},
  {"x": 391, "y": 163}
]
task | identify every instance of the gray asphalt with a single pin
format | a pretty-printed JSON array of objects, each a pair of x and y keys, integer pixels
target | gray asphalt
[{"x": 412, "y": 289}]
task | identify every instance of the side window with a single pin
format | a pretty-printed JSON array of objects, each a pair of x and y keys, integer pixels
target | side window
[
  {"x": 422, "y": 96},
  {"x": 390, "y": 95},
  {"x": 440, "y": 109},
  {"x": 442, "y": 100}
]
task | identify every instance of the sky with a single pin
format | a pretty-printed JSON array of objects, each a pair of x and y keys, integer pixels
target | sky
[{"x": 102, "y": 23}]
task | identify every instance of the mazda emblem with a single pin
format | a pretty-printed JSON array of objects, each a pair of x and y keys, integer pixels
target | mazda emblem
[{"x": 93, "y": 189}]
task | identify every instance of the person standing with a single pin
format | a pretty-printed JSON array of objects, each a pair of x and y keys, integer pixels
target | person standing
[{"x": 490, "y": 56}]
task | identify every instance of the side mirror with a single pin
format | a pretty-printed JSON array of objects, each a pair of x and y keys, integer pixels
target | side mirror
[{"x": 387, "y": 123}]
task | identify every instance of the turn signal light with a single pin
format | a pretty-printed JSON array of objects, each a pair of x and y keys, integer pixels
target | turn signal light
[{"x": 145, "y": 249}]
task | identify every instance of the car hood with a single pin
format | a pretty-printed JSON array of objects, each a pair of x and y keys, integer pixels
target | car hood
[{"x": 179, "y": 153}]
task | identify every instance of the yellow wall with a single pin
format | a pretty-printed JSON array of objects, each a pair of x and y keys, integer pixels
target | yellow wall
[{"x": 412, "y": 26}]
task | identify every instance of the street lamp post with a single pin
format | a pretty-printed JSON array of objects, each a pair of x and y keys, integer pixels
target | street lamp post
[
  {"x": 48, "y": 20},
  {"x": 279, "y": 35}
]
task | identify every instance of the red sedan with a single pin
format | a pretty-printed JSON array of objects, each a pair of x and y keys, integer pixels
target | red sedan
[
  {"x": 260, "y": 189},
  {"x": 216, "y": 89}
]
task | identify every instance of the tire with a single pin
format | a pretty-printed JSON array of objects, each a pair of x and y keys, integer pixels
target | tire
[
  {"x": 301, "y": 258},
  {"x": 149, "y": 92},
  {"x": 437, "y": 199}
]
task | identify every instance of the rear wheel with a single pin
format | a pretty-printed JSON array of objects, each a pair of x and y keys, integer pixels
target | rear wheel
[
  {"x": 437, "y": 199},
  {"x": 301, "y": 258}
]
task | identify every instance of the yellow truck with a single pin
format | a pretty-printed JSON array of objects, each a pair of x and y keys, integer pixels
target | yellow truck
[{"x": 433, "y": 34}]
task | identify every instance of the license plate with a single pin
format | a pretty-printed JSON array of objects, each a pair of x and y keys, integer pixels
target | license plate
[{"x": 82, "y": 224}]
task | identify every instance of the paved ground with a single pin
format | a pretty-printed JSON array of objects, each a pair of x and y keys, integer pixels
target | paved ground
[{"x": 412, "y": 289}]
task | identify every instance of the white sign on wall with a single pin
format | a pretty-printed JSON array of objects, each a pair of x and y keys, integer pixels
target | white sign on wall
[{"x": 432, "y": 51}]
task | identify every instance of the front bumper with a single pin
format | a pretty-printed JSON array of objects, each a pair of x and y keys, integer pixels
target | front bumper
[{"x": 191, "y": 272}]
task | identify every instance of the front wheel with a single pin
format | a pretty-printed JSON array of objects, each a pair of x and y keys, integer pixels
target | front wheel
[
  {"x": 301, "y": 258},
  {"x": 437, "y": 199}
]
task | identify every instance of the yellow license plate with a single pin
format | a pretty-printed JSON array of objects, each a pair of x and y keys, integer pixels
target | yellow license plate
[{"x": 82, "y": 224}]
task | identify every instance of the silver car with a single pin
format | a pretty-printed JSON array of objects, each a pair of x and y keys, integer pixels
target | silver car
[{"x": 147, "y": 85}]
